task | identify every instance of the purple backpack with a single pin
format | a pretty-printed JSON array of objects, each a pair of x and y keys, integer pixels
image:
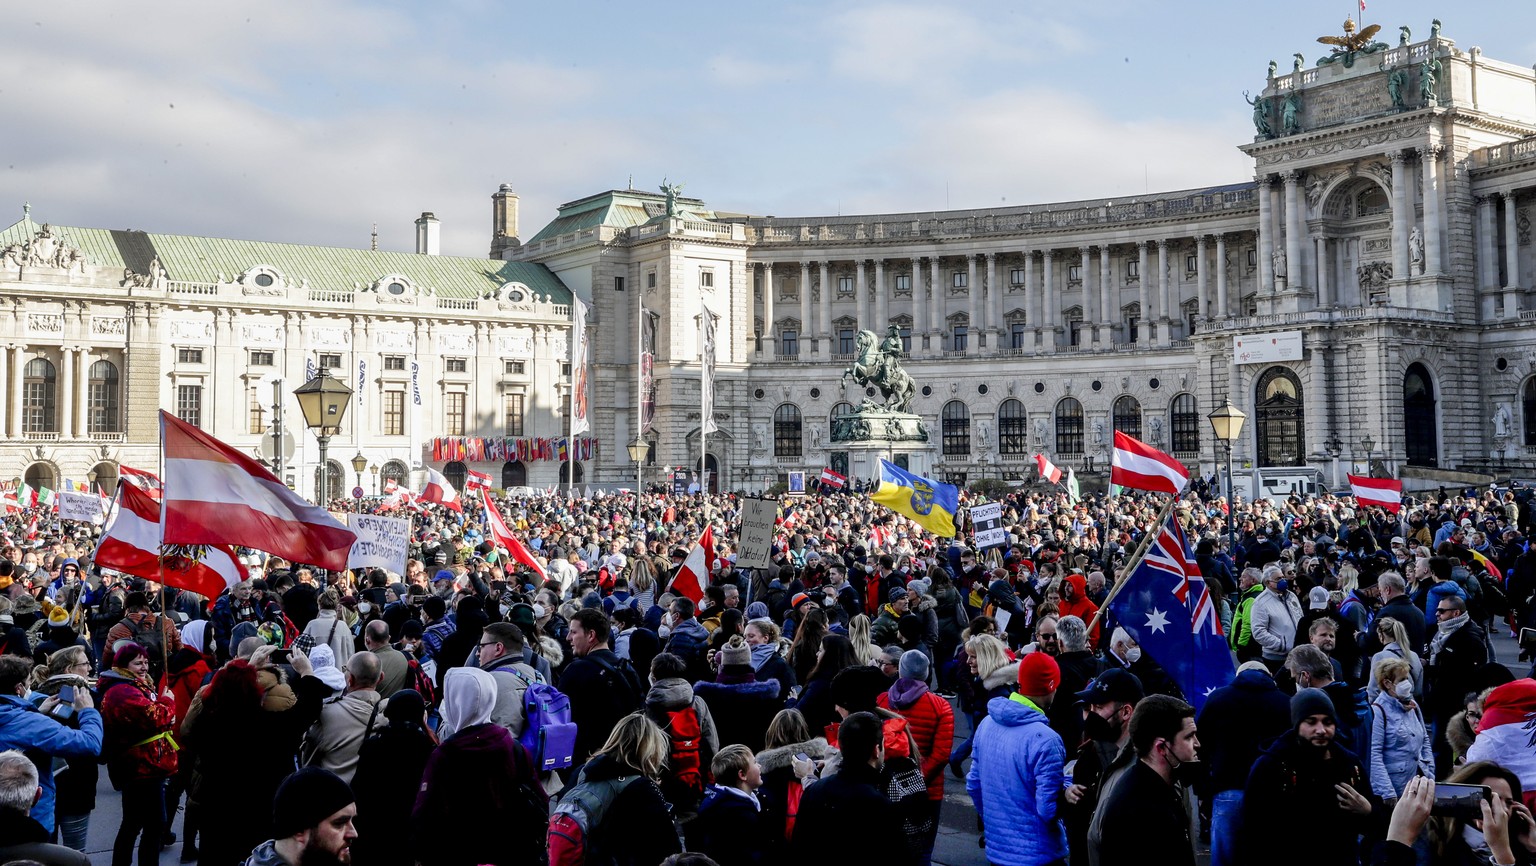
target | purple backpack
[{"x": 549, "y": 735}]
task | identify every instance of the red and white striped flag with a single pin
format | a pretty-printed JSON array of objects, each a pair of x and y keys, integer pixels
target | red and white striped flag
[
  {"x": 833, "y": 479},
  {"x": 131, "y": 544},
  {"x": 693, "y": 576},
  {"x": 476, "y": 481},
  {"x": 439, "y": 491},
  {"x": 503, "y": 537},
  {"x": 145, "y": 481},
  {"x": 1381, "y": 492},
  {"x": 214, "y": 494},
  {"x": 1138, "y": 466},
  {"x": 1048, "y": 470}
]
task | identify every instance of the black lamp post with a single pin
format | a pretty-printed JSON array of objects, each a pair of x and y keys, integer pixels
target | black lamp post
[
  {"x": 323, "y": 400},
  {"x": 1227, "y": 423},
  {"x": 638, "y": 451},
  {"x": 359, "y": 463}
]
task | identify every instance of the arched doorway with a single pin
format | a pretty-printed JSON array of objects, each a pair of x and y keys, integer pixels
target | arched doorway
[
  {"x": 1278, "y": 421},
  {"x": 514, "y": 474},
  {"x": 1421, "y": 439},
  {"x": 335, "y": 480},
  {"x": 40, "y": 475},
  {"x": 713, "y": 467},
  {"x": 394, "y": 470},
  {"x": 106, "y": 477},
  {"x": 456, "y": 473},
  {"x": 571, "y": 468}
]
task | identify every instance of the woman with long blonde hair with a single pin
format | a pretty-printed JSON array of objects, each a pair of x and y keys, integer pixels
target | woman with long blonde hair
[
  {"x": 989, "y": 674},
  {"x": 858, "y": 634},
  {"x": 636, "y": 751}
]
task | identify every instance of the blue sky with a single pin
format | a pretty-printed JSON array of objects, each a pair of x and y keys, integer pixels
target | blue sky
[{"x": 308, "y": 122}]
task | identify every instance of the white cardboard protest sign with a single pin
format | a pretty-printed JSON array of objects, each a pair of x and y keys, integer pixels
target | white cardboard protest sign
[
  {"x": 988, "y": 520},
  {"x": 84, "y": 507},
  {"x": 382, "y": 542},
  {"x": 757, "y": 517}
]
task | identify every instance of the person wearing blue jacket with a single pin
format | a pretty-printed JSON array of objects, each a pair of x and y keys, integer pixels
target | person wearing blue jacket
[
  {"x": 1016, "y": 772},
  {"x": 36, "y": 731}
]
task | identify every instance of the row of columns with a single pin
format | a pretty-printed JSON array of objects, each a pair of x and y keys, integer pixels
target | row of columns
[
  {"x": 1489, "y": 254},
  {"x": 1041, "y": 299},
  {"x": 71, "y": 407}
]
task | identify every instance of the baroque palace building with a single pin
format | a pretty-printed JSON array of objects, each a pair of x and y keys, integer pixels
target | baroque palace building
[{"x": 1364, "y": 298}]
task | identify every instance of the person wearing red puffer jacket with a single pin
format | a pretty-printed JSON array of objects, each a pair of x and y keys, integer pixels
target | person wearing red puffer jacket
[
  {"x": 139, "y": 749},
  {"x": 929, "y": 717},
  {"x": 1075, "y": 602}
]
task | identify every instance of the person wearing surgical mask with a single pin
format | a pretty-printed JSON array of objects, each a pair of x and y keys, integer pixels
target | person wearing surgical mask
[
  {"x": 1125, "y": 652},
  {"x": 1275, "y": 616},
  {"x": 1400, "y": 743}
]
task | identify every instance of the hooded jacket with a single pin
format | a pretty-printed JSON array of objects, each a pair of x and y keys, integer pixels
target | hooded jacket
[
  {"x": 23, "y": 727},
  {"x": 1293, "y": 778},
  {"x": 333, "y": 742},
  {"x": 483, "y": 765},
  {"x": 931, "y": 720},
  {"x": 673, "y": 694},
  {"x": 1015, "y": 782},
  {"x": 1080, "y": 605},
  {"x": 741, "y": 712},
  {"x": 1237, "y": 722},
  {"x": 513, "y": 677}
]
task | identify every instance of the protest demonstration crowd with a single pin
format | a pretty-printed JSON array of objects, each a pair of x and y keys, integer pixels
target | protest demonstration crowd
[{"x": 568, "y": 679}]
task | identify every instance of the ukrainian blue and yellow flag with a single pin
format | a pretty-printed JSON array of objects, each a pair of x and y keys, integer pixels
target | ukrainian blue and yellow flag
[{"x": 930, "y": 503}]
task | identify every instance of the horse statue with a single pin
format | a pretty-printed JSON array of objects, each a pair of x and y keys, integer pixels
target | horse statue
[{"x": 880, "y": 365}]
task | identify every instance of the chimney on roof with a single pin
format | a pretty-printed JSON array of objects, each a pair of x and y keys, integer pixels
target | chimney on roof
[
  {"x": 503, "y": 221},
  {"x": 428, "y": 234}
]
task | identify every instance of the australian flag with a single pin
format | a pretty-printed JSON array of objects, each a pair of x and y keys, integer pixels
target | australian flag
[{"x": 1167, "y": 607}]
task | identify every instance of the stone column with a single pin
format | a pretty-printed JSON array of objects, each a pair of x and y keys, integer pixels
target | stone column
[
  {"x": 1051, "y": 312},
  {"x": 994, "y": 305},
  {"x": 976, "y": 312},
  {"x": 1430, "y": 157},
  {"x": 1221, "y": 277},
  {"x": 861, "y": 297},
  {"x": 1202, "y": 278},
  {"x": 919, "y": 320},
  {"x": 1324, "y": 278},
  {"x": 769, "y": 347},
  {"x": 1266, "y": 240},
  {"x": 1511, "y": 257},
  {"x": 1109, "y": 309},
  {"x": 1143, "y": 295},
  {"x": 1487, "y": 258},
  {"x": 1085, "y": 271},
  {"x": 1400, "y": 217},
  {"x": 1295, "y": 273},
  {"x": 882, "y": 302},
  {"x": 82, "y": 407},
  {"x": 936, "y": 303},
  {"x": 1032, "y": 308},
  {"x": 5, "y": 376},
  {"x": 824, "y": 325},
  {"x": 805, "y": 309},
  {"x": 1165, "y": 327},
  {"x": 65, "y": 398},
  {"x": 18, "y": 355}
]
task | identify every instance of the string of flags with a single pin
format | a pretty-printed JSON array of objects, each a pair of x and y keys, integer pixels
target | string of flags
[{"x": 487, "y": 449}]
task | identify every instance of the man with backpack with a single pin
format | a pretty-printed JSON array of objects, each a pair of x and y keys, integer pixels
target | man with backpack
[
  {"x": 501, "y": 655},
  {"x": 602, "y": 688},
  {"x": 690, "y": 729},
  {"x": 148, "y": 629}
]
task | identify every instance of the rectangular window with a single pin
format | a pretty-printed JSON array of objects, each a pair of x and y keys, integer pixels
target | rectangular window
[
  {"x": 618, "y": 284},
  {"x": 455, "y": 365},
  {"x": 1133, "y": 329},
  {"x": 1133, "y": 270},
  {"x": 189, "y": 404},
  {"x": 565, "y": 370},
  {"x": 1016, "y": 276},
  {"x": 845, "y": 341},
  {"x": 958, "y": 279},
  {"x": 453, "y": 413},
  {"x": 513, "y": 424},
  {"x": 906, "y": 339},
  {"x": 394, "y": 413},
  {"x": 328, "y": 361},
  {"x": 1191, "y": 263},
  {"x": 258, "y": 412},
  {"x": 903, "y": 284},
  {"x": 845, "y": 288},
  {"x": 261, "y": 357},
  {"x": 1075, "y": 332},
  {"x": 1074, "y": 273},
  {"x": 514, "y": 368},
  {"x": 650, "y": 279},
  {"x": 706, "y": 278},
  {"x": 789, "y": 344},
  {"x": 103, "y": 405},
  {"x": 1253, "y": 258},
  {"x": 1016, "y": 332},
  {"x": 961, "y": 338},
  {"x": 394, "y": 362},
  {"x": 189, "y": 356}
]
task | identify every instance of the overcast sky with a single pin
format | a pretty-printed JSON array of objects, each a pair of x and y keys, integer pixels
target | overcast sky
[{"x": 309, "y": 121}]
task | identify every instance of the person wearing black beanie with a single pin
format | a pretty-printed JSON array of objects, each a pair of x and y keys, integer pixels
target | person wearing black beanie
[{"x": 311, "y": 822}]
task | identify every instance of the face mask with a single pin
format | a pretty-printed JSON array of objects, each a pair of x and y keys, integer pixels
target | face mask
[
  {"x": 1133, "y": 655},
  {"x": 1099, "y": 728},
  {"x": 1282, "y": 585},
  {"x": 364, "y": 607},
  {"x": 1403, "y": 689}
]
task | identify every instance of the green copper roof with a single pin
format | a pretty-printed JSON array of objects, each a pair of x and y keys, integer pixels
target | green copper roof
[
  {"x": 620, "y": 209},
  {"x": 205, "y": 260}
]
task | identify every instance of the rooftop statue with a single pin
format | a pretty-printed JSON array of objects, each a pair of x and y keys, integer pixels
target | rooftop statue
[
  {"x": 1428, "y": 73},
  {"x": 1351, "y": 43},
  {"x": 1260, "y": 111},
  {"x": 878, "y": 363},
  {"x": 671, "y": 190}
]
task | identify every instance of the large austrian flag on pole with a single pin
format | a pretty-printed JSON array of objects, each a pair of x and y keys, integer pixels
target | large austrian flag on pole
[
  {"x": 1381, "y": 492},
  {"x": 1138, "y": 466},
  {"x": 693, "y": 577},
  {"x": 213, "y": 494},
  {"x": 439, "y": 490},
  {"x": 131, "y": 544},
  {"x": 503, "y": 536}
]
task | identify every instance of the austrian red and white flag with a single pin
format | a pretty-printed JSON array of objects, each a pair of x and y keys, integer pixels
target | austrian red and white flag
[
  {"x": 1138, "y": 466},
  {"x": 1048, "y": 470},
  {"x": 131, "y": 544},
  {"x": 440, "y": 492},
  {"x": 214, "y": 494},
  {"x": 1381, "y": 492},
  {"x": 833, "y": 479},
  {"x": 693, "y": 576},
  {"x": 148, "y": 482},
  {"x": 1504, "y": 734},
  {"x": 476, "y": 481},
  {"x": 503, "y": 537}
]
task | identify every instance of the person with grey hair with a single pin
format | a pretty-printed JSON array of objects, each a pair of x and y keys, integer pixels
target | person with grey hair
[
  {"x": 1396, "y": 604},
  {"x": 21, "y": 837},
  {"x": 346, "y": 720},
  {"x": 1250, "y": 585},
  {"x": 1276, "y": 613},
  {"x": 1079, "y": 667}
]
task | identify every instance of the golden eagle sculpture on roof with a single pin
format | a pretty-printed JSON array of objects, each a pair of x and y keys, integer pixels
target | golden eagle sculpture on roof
[{"x": 1345, "y": 47}]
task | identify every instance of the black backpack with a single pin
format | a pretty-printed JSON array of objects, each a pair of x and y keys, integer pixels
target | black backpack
[{"x": 152, "y": 639}]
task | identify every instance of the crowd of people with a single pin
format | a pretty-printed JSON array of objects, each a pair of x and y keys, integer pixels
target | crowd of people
[{"x": 470, "y": 710}]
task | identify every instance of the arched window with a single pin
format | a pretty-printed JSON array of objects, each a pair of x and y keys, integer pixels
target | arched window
[
  {"x": 394, "y": 470},
  {"x": 956, "y": 429},
  {"x": 1127, "y": 416},
  {"x": 335, "y": 479},
  {"x": 787, "y": 429},
  {"x": 39, "y": 390},
  {"x": 1278, "y": 418},
  {"x": 1528, "y": 405},
  {"x": 102, "y": 396},
  {"x": 456, "y": 472},
  {"x": 1419, "y": 421},
  {"x": 1069, "y": 426},
  {"x": 40, "y": 475},
  {"x": 1184, "y": 417},
  {"x": 514, "y": 474},
  {"x": 1012, "y": 424},
  {"x": 572, "y": 468},
  {"x": 106, "y": 477}
]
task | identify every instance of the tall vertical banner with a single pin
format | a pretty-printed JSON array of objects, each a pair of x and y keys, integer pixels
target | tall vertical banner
[
  {"x": 647, "y": 370},
  {"x": 580, "y": 422},
  {"x": 362, "y": 384},
  {"x": 707, "y": 409}
]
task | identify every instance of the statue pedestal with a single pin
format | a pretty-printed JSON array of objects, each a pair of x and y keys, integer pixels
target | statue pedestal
[{"x": 870, "y": 435}]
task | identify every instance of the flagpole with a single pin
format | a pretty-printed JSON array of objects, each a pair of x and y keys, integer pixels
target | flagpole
[
  {"x": 704, "y": 401},
  {"x": 639, "y": 390},
  {"x": 570, "y": 417},
  {"x": 1135, "y": 560}
]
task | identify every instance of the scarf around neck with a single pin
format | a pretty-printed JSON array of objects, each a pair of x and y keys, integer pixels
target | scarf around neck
[{"x": 1444, "y": 632}]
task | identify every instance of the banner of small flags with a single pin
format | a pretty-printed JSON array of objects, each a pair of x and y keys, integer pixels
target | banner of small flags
[{"x": 477, "y": 449}]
